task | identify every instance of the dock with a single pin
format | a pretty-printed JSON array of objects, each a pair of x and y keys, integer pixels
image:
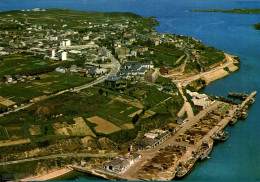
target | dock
[{"x": 164, "y": 161}]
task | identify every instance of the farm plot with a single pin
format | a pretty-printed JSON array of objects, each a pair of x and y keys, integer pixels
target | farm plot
[
  {"x": 11, "y": 64},
  {"x": 103, "y": 126},
  {"x": 50, "y": 83}
]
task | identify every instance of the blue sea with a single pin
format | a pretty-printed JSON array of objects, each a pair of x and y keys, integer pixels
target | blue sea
[{"x": 238, "y": 158}]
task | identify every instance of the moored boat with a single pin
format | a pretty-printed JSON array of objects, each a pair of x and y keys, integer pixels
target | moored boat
[
  {"x": 184, "y": 170},
  {"x": 233, "y": 121},
  {"x": 220, "y": 135},
  {"x": 205, "y": 149}
]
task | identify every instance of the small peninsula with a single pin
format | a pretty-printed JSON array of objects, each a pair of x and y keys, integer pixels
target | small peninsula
[{"x": 236, "y": 11}]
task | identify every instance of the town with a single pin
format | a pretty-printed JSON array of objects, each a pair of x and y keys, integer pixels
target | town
[{"x": 107, "y": 85}]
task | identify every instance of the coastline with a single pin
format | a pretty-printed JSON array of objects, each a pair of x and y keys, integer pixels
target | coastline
[{"x": 48, "y": 176}]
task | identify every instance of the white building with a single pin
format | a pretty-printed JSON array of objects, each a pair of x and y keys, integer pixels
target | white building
[
  {"x": 52, "y": 38},
  {"x": 65, "y": 43},
  {"x": 86, "y": 37},
  {"x": 62, "y": 56},
  {"x": 201, "y": 101},
  {"x": 60, "y": 69},
  {"x": 51, "y": 53}
]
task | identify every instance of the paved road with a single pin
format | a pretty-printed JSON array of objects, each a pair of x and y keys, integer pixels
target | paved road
[
  {"x": 115, "y": 68},
  {"x": 186, "y": 81},
  {"x": 58, "y": 156},
  {"x": 150, "y": 153},
  {"x": 186, "y": 106}
]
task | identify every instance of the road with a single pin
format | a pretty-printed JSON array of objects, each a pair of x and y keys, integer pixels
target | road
[
  {"x": 114, "y": 65},
  {"x": 186, "y": 106},
  {"x": 186, "y": 81},
  {"x": 115, "y": 68},
  {"x": 58, "y": 156},
  {"x": 150, "y": 153}
]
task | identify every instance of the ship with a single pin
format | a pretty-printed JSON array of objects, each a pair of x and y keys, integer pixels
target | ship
[
  {"x": 224, "y": 136},
  {"x": 233, "y": 121},
  {"x": 220, "y": 135},
  {"x": 184, "y": 170},
  {"x": 205, "y": 149},
  {"x": 251, "y": 101},
  {"x": 244, "y": 115}
]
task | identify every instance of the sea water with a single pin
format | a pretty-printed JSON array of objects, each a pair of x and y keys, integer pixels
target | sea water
[{"x": 238, "y": 158}]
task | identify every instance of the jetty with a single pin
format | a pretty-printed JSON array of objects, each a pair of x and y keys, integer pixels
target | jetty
[{"x": 177, "y": 155}]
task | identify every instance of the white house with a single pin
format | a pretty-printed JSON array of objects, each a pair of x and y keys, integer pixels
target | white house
[
  {"x": 52, "y": 53},
  {"x": 62, "y": 56},
  {"x": 65, "y": 43},
  {"x": 52, "y": 38},
  {"x": 60, "y": 69}
]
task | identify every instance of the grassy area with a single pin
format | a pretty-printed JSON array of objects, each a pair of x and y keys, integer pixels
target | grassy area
[
  {"x": 238, "y": 11},
  {"x": 85, "y": 104},
  {"x": 210, "y": 56},
  {"x": 78, "y": 20},
  {"x": 52, "y": 82},
  {"x": 16, "y": 63}
]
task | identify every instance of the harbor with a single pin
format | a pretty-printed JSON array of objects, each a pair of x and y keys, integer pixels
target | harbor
[{"x": 176, "y": 156}]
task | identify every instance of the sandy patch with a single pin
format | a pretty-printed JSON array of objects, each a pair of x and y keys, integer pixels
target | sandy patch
[
  {"x": 121, "y": 112},
  {"x": 127, "y": 126},
  {"x": 80, "y": 128},
  {"x": 48, "y": 176},
  {"x": 135, "y": 103},
  {"x": 35, "y": 130},
  {"x": 4, "y": 143},
  {"x": 232, "y": 68},
  {"x": 137, "y": 112},
  {"x": 45, "y": 76},
  {"x": 38, "y": 98},
  {"x": 103, "y": 126},
  {"x": 2, "y": 98},
  {"x": 42, "y": 84},
  {"x": 214, "y": 76},
  {"x": 7, "y": 102},
  {"x": 46, "y": 92},
  {"x": 148, "y": 114}
]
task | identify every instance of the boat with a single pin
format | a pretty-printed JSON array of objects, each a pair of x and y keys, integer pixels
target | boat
[
  {"x": 233, "y": 121},
  {"x": 220, "y": 135},
  {"x": 205, "y": 149},
  {"x": 224, "y": 136},
  {"x": 244, "y": 115},
  {"x": 184, "y": 170},
  {"x": 251, "y": 101}
]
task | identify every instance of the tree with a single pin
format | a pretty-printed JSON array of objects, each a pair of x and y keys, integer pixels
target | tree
[
  {"x": 135, "y": 118},
  {"x": 101, "y": 91}
]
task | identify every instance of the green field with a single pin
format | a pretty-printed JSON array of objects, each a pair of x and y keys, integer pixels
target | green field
[
  {"x": 16, "y": 63},
  {"x": 53, "y": 82},
  {"x": 85, "y": 104},
  {"x": 78, "y": 20}
]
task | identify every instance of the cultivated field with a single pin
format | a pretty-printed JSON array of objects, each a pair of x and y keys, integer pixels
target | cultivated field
[
  {"x": 103, "y": 126},
  {"x": 49, "y": 83}
]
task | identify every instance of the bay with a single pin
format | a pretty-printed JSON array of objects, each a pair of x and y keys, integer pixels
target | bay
[{"x": 238, "y": 158}]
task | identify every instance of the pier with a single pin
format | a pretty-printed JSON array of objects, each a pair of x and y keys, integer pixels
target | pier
[{"x": 162, "y": 162}]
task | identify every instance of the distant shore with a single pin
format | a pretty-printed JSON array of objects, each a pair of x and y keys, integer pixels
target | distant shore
[{"x": 237, "y": 11}]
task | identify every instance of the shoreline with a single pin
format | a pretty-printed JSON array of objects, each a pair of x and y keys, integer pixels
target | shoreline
[{"x": 48, "y": 176}]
